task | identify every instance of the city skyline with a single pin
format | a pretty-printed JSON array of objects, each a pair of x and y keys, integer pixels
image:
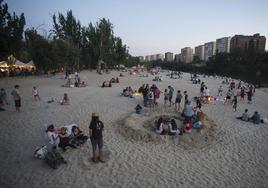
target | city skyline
[{"x": 154, "y": 27}]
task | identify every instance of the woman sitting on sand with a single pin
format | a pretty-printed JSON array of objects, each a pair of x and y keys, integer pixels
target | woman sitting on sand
[
  {"x": 65, "y": 100},
  {"x": 159, "y": 126},
  {"x": 77, "y": 136},
  {"x": 173, "y": 128},
  {"x": 188, "y": 127},
  {"x": 64, "y": 140}
]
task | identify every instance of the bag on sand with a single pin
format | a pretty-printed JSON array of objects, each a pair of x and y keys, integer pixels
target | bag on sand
[
  {"x": 40, "y": 152},
  {"x": 54, "y": 159}
]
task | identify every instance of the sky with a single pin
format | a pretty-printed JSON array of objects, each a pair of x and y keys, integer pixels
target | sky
[{"x": 155, "y": 26}]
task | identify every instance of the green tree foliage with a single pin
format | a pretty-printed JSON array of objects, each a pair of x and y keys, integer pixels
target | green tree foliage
[{"x": 11, "y": 32}]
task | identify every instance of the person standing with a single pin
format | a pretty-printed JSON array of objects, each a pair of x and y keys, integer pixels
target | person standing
[
  {"x": 170, "y": 94},
  {"x": 17, "y": 99},
  {"x": 95, "y": 132}
]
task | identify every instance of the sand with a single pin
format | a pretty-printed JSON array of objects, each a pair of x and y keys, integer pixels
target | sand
[{"x": 237, "y": 157}]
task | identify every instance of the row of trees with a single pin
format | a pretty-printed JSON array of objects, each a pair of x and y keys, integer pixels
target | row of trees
[{"x": 69, "y": 44}]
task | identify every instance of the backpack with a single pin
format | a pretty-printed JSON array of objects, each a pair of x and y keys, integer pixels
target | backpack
[
  {"x": 40, "y": 152},
  {"x": 54, "y": 159}
]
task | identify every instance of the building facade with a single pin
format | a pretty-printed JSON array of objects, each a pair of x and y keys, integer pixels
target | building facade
[
  {"x": 141, "y": 58},
  {"x": 199, "y": 52},
  {"x": 160, "y": 57},
  {"x": 187, "y": 55},
  {"x": 223, "y": 45},
  {"x": 177, "y": 58},
  {"x": 209, "y": 50},
  {"x": 169, "y": 56},
  {"x": 244, "y": 43}
]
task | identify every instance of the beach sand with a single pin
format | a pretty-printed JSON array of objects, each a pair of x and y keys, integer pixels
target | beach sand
[{"x": 238, "y": 157}]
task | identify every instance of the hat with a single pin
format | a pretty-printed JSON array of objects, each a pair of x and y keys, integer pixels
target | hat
[{"x": 95, "y": 114}]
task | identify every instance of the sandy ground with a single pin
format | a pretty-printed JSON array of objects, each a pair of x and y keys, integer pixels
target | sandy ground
[{"x": 239, "y": 157}]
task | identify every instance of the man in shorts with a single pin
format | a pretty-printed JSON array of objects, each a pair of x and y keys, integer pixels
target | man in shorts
[
  {"x": 170, "y": 94},
  {"x": 95, "y": 132}
]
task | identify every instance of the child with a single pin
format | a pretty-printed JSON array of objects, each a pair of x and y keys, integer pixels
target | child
[
  {"x": 53, "y": 136},
  {"x": 220, "y": 91},
  {"x": 64, "y": 140},
  {"x": 178, "y": 100},
  {"x": 36, "y": 94},
  {"x": 234, "y": 103},
  {"x": 165, "y": 97}
]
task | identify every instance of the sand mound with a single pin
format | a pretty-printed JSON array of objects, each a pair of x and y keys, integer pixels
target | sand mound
[{"x": 138, "y": 128}]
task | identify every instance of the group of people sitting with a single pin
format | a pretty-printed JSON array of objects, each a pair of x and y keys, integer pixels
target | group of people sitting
[
  {"x": 114, "y": 80},
  {"x": 128, "y": 92},
  {"x": 255, "y": 118},
  {"x": 106, "y": 84},
  {"x": 70, "y": 135},
  {"x": 164, "y": 127}
]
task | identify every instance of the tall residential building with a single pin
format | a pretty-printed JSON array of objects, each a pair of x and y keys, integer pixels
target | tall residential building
[
  {"x": 141, "y": 58},
  {"x": 159, "y": 57},
  {"x": 153, "y": 57},
  {"x": 169, "y": 56},
  {"x": 177, "y": 58},
  {"x": 187, "y": 55},
  {"x": 147, "y": 58},
  {"x": 210, "y": 49},
  {"x": 223, "y": 45},
  {"x": 200, "y": 52},
  {"x": 242, "y": 42}
]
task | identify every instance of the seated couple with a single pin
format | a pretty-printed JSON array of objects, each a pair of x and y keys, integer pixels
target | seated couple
[
  {"x": 170, "y": 128},
  {"x": 78, "y": 83},
  {"x": 106, "y": 84},
  {"x": 255, "y": 118},
  {"x": 128, "y": 92},
  {"x": 114, "y": 80},
  {"x": 69, "y": 135}
]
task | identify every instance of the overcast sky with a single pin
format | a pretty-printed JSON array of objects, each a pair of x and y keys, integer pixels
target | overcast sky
[{"x": 156, "y": 26}]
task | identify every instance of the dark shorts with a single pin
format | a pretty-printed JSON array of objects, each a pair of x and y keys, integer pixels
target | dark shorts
[
  {"x": 178, "y": 100},
  {"x": 170, "y": 99},
  {"x": 228, "y": 97},
  {"x": 97, "y": 143},
  {"x": 17, "y": 103}
]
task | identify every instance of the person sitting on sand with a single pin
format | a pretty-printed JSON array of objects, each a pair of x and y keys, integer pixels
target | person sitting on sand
[
  {"x": 117, "y": 80},
  {"x": 83, "y": 84},
  {"x": 64, "y": 140},
  {"x": 65, "y": 100},
  {"x": 138, "y": 109},
  {"x": 173, "y": 128},
  {"x": 112, "y": 80},
  {"x": 220, "y": 90},
  {"x": 188, "y": 127},
  {"x": 245, "y": 116},
  {"x": 77, "y": 136},
  {"x": 256, "y": 118},
  {"x": 159, "y": 126}
]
